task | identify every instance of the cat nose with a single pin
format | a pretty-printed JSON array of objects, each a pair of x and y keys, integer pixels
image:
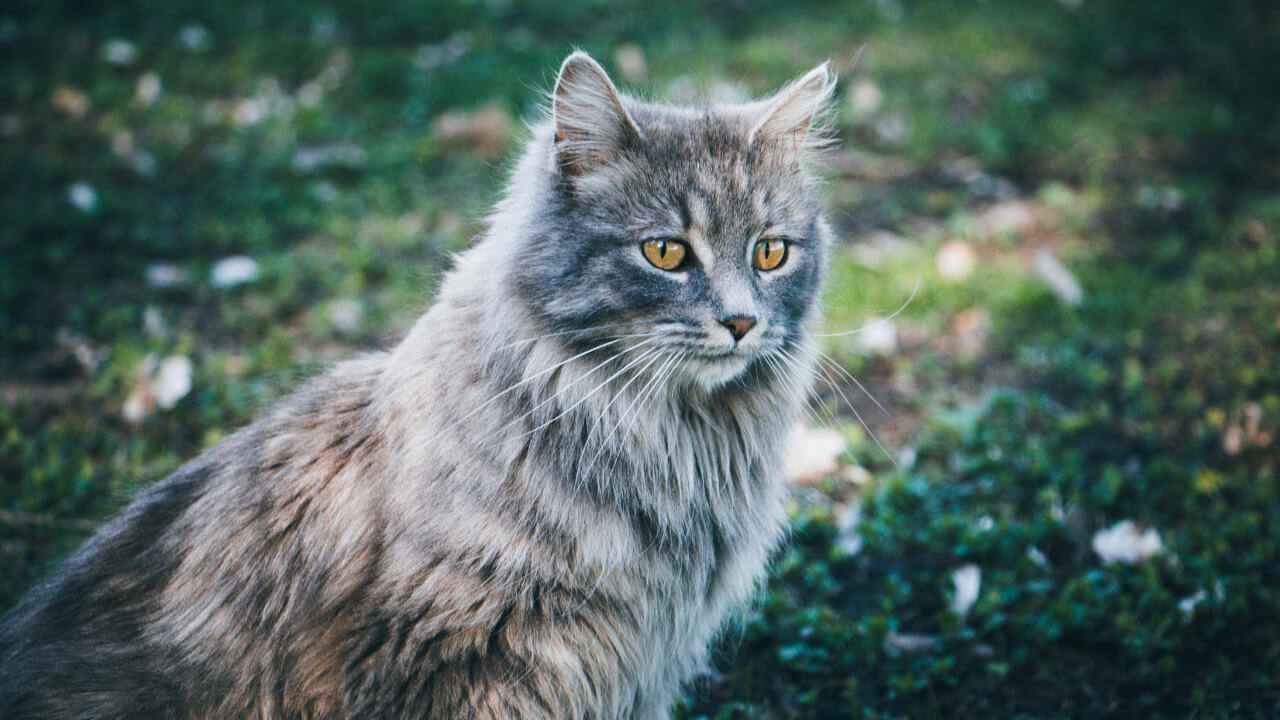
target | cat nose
[{"x": 739, "y": 325}]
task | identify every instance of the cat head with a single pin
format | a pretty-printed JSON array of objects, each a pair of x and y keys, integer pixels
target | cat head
[{"x": 694, "y": 229}]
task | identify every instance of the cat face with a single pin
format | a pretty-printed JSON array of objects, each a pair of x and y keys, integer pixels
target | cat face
[{"x": 693, "y": 230}]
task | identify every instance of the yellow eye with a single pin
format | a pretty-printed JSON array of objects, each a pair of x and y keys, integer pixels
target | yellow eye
[
  {"x": 664, "y": 253},
  {"x": 769, "y": 254}
]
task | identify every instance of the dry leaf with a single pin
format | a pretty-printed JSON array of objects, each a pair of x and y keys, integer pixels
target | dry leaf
[
  {"x": 811, "y": 454},
  {"x": 71, "y": 101},
  {"x": 1126, "y": 542}
]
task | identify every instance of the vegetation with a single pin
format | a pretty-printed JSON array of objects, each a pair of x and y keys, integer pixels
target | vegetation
[{"x": 1085, "y": 194}]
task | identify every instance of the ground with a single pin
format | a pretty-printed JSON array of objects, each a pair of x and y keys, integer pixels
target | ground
[{"x": 1059, "y": 237}]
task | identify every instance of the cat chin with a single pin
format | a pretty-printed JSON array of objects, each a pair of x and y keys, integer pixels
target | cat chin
[{"x": 714, "y": 373}]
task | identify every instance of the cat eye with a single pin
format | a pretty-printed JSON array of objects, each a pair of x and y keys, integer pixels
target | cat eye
[
  {"x": 769, "y": 254},
  {"x": 665, "y": 253}
]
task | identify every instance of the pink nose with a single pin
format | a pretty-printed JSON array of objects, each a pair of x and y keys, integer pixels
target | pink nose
[{"x": 739, "y": 325}]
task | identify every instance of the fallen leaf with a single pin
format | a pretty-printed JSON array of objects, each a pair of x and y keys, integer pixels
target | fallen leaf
[
  {"x": 968, "y": 581},
  {"x": 336, "y": 155},
  {"x": 157, "y": 385},
  {"x": 956, "y": 260},
  {"x": 232, "y": 271},
  {"x": 71, "y": 101},
  {"x": 87, "y": 355},
  {"x": 148, "y": 89},
  {"x": 971, "y": 329},
  {"x": 811, "y": 454},
  {"x": 910, "y": 643},
  {"x": 164, "y": 275},
  {"x": 1037, "y": 557},
  {"x": 173, "y": 381},
  {"x": 194, "y": 37},
  {"x": 1187, "y": 605},
  {"x": 117, "y": 51},
  {"x": 1126, "y": 542},
  {"x": 83, "y": 196},
  {"x": 1060, "y": 280},
  {"x": 484, "y": 130},
  {"x": 848, "y": 538},
  {"x": 1010, "y": 216}
]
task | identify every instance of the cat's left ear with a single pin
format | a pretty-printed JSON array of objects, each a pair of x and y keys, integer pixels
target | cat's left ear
[
  {"x": 792, "y": 117},
  {"x": 590, "y": 121}
]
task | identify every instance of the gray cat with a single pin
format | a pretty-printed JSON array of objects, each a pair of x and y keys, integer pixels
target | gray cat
[{"x": 542, "y": 504}]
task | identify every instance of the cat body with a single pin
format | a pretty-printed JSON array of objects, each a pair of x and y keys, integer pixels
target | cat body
[{"x": 542, "y": 504}]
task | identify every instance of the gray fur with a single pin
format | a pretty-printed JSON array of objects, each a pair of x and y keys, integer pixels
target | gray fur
[{"x": 542, "y": 504}]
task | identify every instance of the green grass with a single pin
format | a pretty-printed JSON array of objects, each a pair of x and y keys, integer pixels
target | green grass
[{"x": 1140, "y": 136}]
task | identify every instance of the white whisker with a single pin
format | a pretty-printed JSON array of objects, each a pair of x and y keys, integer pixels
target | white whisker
[
  {"x": 578, "y": 331},
  {"x": 540, "y": 373},
  {"x": 832, "y": 363},
  {"x": 651, "y": 385},
  {"x": 643, "y": 356},
  {"x": 836, "y": 387},
  {"x": 600, "y": 417},
  {"x": 659, "y": 381},
  {"x": 881, "y": 321},
  {"x": 812, "y": 398}
]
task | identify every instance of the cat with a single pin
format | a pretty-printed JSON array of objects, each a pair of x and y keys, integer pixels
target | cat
[{"x": 543, "y": 503}]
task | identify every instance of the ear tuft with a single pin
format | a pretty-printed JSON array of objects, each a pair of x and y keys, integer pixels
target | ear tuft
[
  {"x": 793, "y": 117},
  {"x": 590, "y": 121}
]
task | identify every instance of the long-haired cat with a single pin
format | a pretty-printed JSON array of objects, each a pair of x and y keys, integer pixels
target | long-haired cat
[{"x": 541, "y": 504}]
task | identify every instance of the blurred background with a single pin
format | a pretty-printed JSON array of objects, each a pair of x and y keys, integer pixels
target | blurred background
[{"x": 1062, "y": 501}]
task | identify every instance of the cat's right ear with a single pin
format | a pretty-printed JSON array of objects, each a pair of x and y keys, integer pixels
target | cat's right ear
[{"x": 590, "y": 121}]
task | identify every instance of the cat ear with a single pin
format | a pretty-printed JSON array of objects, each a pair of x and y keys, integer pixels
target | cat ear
[
  {"x": 792, "y": 117},
  {"x": 591, "y": 123}
]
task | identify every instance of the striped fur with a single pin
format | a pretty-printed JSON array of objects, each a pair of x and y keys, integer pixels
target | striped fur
[{"x": 542, "y": 504}]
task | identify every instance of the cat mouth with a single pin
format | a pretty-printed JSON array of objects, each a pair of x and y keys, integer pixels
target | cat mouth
[
  {"x": 737, "y": 352},
  {"x": 734, "y": 353}
]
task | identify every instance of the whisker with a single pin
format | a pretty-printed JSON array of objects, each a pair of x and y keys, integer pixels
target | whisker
[
  {"x": 660, "y": 380},
  {"x": 643, "y": 356},
  {"x": 881, "y": 321},
  {"x": 539, "y": 374},
  {"x": 601, "y": 415},
  {"x": 565, "y": 388},
  {"x": 832, "y": 363},
  {"x": 650, "y": 386},
  {"x": 578, "y": 331},
  {"x": 835, "y": 386},
  {"x": 812, "y": 399}
]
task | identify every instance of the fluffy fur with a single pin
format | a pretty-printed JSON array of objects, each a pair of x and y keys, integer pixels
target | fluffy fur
[{"x": 542, "y": 504}]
